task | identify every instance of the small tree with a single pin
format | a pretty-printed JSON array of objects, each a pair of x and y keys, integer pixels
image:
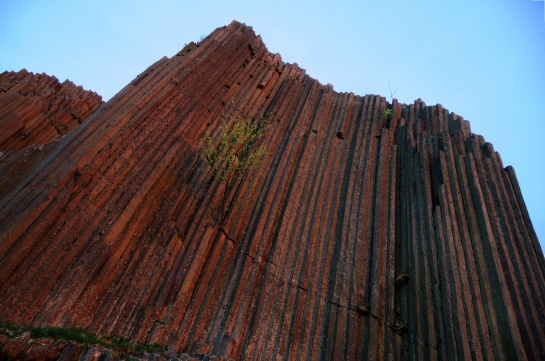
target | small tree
[{"x": 233, "y": 152}]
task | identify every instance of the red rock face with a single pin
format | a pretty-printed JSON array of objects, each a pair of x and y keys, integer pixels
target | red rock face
[
  {"x": 36, "y": 108},
  {"x": 117, "y": 230},
  {"x": 35, "y": 112}
]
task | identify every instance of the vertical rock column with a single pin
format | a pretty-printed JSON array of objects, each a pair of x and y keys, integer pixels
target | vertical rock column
[{"x": 361, "y": 236}]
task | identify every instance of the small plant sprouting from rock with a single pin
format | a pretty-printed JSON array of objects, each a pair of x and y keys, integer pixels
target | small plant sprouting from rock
[
  {"x": 233, "y": 152},
  {"x": 386, "y": 114}
]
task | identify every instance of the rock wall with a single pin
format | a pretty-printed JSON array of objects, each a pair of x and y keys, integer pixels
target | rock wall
[
  {"x": 36, "y": 108},
  {"x": 362, "y": 234},
  {"x": 35, "y": 112}
]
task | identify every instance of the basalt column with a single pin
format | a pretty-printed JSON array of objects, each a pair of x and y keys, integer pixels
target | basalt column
[{"x": 370, "y": 231}]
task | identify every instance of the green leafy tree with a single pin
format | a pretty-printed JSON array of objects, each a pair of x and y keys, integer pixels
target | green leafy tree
[{"x": 233, "y": 151}]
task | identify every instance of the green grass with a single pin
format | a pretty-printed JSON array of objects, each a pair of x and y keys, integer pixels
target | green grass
[{"x": 81, "y": 336}]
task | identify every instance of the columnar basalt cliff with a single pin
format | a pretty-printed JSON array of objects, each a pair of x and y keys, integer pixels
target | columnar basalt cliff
[
  {"x": 36, "y": 108},
  {"x": 364, "y": 235},
  {"x": 35, "y": 112}
]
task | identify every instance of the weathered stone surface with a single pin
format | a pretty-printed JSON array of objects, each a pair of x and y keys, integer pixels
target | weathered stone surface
[
  {"x": 36, "y": 108},
  {"x": 117, "y": 229},
  {"x": 35, "y": 112}
]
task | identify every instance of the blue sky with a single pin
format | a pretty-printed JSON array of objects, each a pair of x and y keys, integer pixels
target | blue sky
[{"x": 483, "y": 60}]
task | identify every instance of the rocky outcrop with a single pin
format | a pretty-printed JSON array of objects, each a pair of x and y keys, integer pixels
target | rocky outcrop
[
  {"x": 364, "y": 233},
  {"x": 36, "y": 108},
  {"x": 35, "y": 112}
]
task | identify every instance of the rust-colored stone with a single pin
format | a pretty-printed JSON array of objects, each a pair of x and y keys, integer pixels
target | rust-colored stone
[
  {"x": 36, "y": 111},
  {"x": 36, "y": 108},
  {"x": 116, "y": 231}
]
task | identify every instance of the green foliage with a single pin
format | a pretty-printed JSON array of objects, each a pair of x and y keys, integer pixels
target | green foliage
[
  {"x": 386, "y": 114},
  {"x": 80, "y": 336},
  {"x": 234, "y": 150}
]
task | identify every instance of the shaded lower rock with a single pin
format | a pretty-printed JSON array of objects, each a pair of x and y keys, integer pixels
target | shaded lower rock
[{"x": 26, "y": 348}]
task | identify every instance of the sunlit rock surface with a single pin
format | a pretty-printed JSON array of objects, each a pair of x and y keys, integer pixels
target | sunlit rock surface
[
  {"x": 36, "y": 111},
  {"x": 363, "y": 235}
]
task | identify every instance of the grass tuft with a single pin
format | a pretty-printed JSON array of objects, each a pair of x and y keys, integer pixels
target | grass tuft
[{"x": 81, "y": 336}]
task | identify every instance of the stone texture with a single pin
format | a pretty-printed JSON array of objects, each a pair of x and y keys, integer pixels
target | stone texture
[
  {"x": 36, "y": 108},
  {"x": 116, "y": 231},
  {"x": 35, "y": 112}
]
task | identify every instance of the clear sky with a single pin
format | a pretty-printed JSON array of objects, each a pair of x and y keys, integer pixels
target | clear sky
[{"x": 482, "y": 59}]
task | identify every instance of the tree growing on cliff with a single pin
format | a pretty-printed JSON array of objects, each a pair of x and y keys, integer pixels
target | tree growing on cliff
[{"x": 233, "y": 151}]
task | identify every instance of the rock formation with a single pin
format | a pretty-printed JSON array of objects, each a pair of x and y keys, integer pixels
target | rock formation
[
  {"x": 35, "y": 112},
  {"x": 363, "y": 235}
]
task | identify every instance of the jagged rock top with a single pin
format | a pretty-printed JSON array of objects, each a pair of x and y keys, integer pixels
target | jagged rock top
[{"x": 37, "y": 108}]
